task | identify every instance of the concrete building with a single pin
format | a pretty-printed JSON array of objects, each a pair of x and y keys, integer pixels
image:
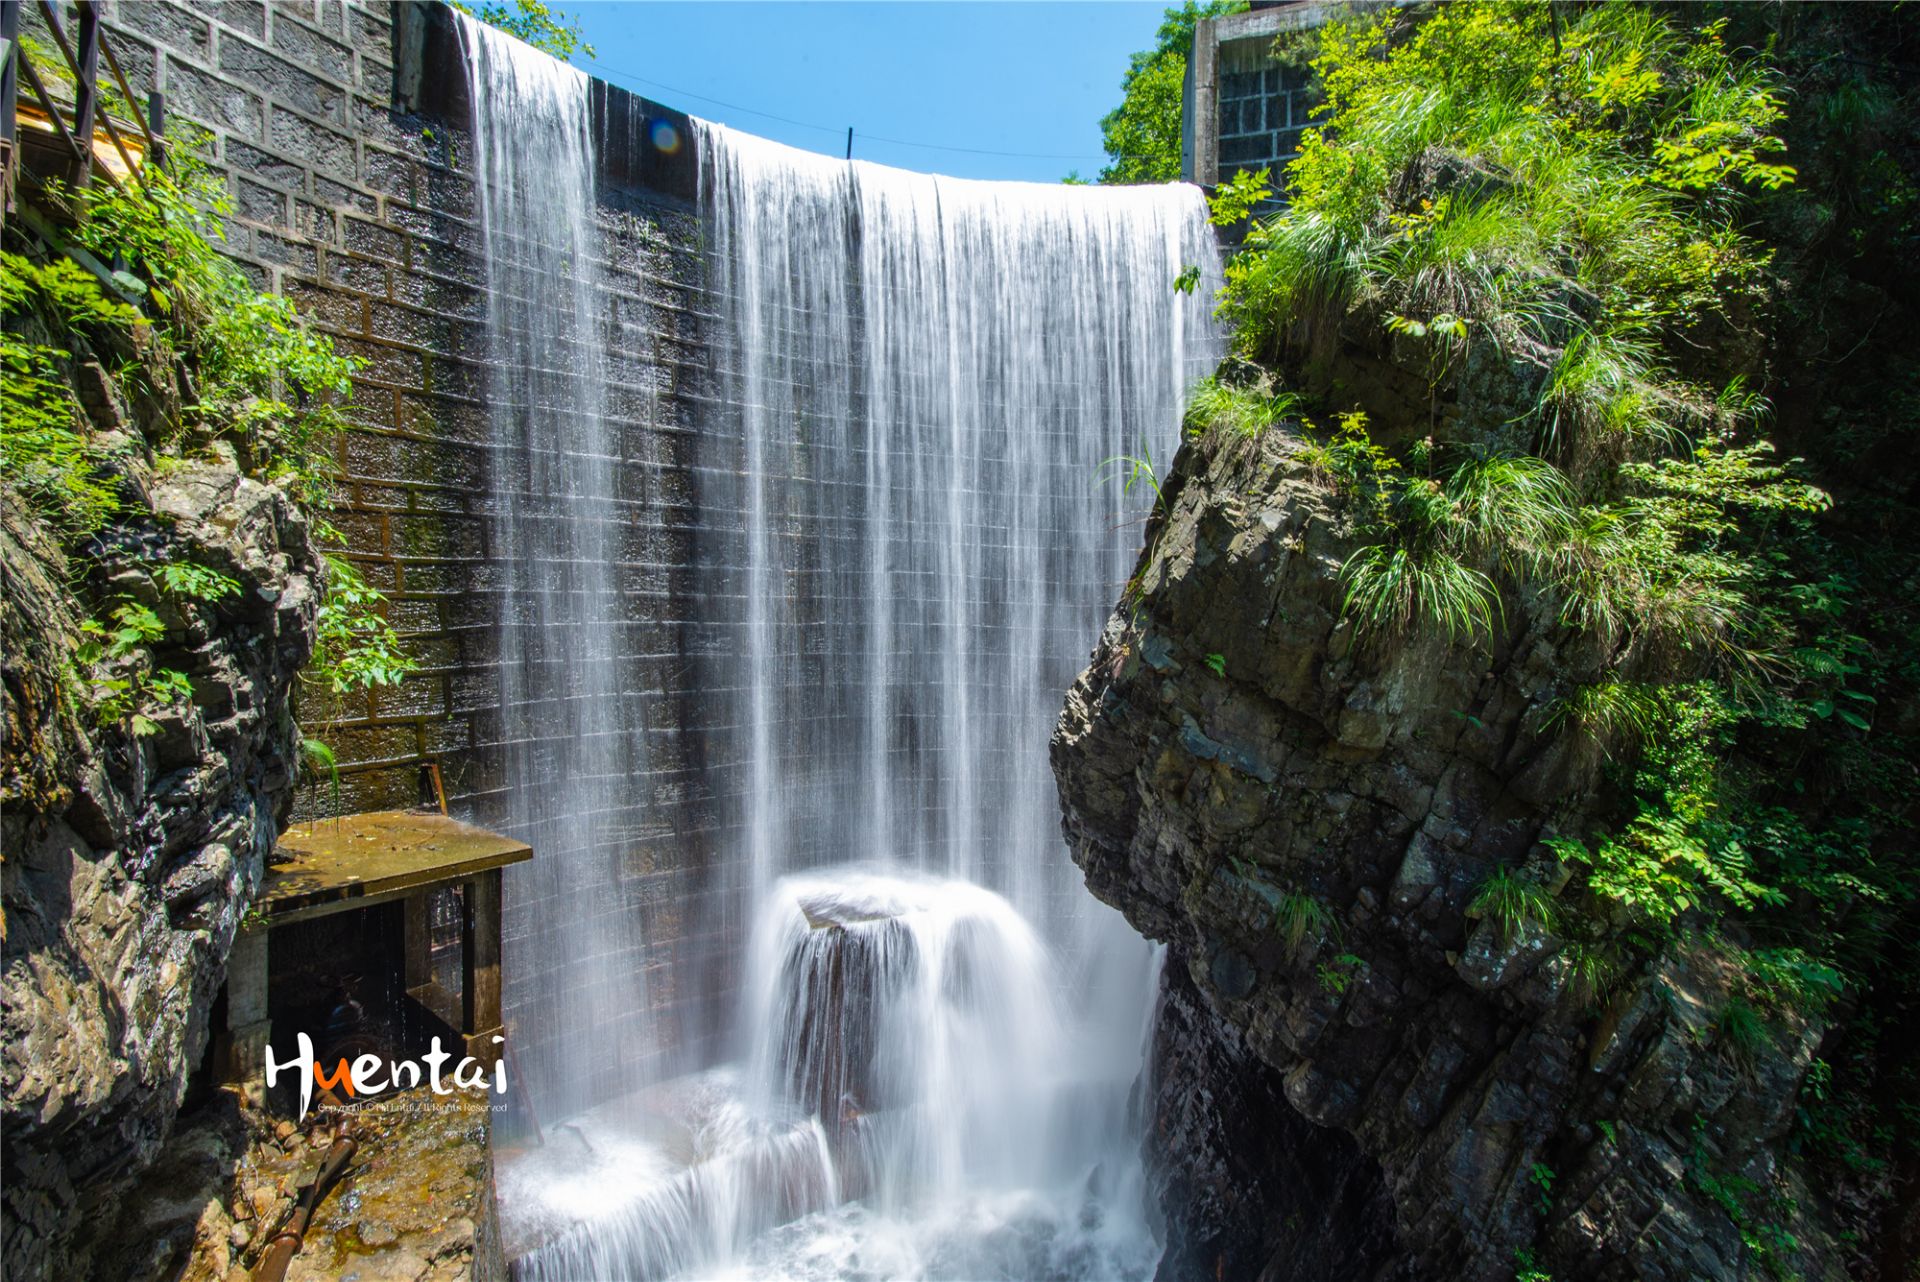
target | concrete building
[{"x": 1244, "y": 109}]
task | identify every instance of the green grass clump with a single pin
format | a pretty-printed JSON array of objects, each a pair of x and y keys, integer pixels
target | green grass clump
[
  {"x": 1512, "y": 903},
  {"x": 1300, "y": 918}
]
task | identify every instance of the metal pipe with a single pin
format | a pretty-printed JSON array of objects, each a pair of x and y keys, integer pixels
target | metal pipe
[{"x": 286, "y": 1243}]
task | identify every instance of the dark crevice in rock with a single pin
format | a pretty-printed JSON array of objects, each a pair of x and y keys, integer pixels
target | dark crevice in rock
[{"x": 1248, "y": 1188}]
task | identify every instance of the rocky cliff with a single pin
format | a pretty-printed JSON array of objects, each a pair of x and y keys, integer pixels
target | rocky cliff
[
  {"x": 1358, "y": 1077},
  {"x": 132, "y": 848}
]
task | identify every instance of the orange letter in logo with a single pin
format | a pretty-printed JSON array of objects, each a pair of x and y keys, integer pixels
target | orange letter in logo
[{"x": 341, "y": 1077}]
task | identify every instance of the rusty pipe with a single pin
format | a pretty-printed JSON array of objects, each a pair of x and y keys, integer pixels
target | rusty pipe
[{"x": 286, "y": 1243}]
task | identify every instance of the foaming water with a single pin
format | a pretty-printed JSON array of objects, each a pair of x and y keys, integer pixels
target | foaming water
[
  {"x": 662, "y": 1183},
  {"x": 918, "y": 1106},
  {"x": 917, "y": 1017},
  {"x": 572, "y": 742}
]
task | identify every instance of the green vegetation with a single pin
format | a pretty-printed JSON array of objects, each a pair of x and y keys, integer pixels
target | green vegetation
[
  {"x": 270, "y": 385},
  {"x": 355, "y": 648},
  {"x": 1131, "y": 470},
  {"x": 1758, "y": 1213},
  {"x": 1300, "y": 918},
  {"x": 1142, "y": 134},
  {"x": 1526, "y": 1269},
  {"x": 1578, "y": 231},
  {"x": 1739, "y": 1030},
  {"x": 1512, "y": 903},
  {"x": 209, "y": 363},
  {"x": 121, "y": 685},
  {"x": 1540, "y": 1175},
  {"x": 537, "y": 23},
  {"x": 49, "y": 463},
  {"x": 1336, "y": 976}
]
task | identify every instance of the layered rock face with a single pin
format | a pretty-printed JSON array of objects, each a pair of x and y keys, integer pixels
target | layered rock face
[
  {"x": 130, "y": 859},
  {"x": 1305, "y": 817}
]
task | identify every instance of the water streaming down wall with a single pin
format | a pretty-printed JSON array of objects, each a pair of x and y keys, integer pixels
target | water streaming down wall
[
  {"x": 903, "y": 550},
  {"x": 920, "y": 378},
  {"x": 573, "y": 730}
]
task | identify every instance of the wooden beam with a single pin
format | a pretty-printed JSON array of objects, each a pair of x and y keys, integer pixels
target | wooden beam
[
  {"x": 86, "y": 86},
  {"x": 480, "y": 965},
  {"x": 418, "y": 908},
  {"x": 9, "y": 72}
]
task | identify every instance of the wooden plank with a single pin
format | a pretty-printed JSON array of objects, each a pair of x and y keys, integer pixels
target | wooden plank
[{"x": 419, "y": 940}]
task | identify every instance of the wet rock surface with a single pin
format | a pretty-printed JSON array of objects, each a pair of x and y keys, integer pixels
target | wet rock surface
[
  {"x": 1233, "y": 760},
  {"x": 131, "y": 857},
  {"x": 414, "y": 1205}
]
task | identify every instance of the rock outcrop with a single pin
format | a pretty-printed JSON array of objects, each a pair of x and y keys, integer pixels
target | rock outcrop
[
  {"x": 1247, "y": 1187},
  {"x": 131, "y": 857},
  {"x": 1306, "y": 816}
]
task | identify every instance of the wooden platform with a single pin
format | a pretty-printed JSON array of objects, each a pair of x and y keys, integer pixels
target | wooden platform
[
  {"x": 333, "y": 865},
  {"x": 343, "y": 865}
]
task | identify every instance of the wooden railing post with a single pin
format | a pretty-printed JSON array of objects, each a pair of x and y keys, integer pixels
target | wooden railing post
[
  {"x": 157, "y": 126},
  {"x": 86, "y": 88},
  {"x": 9, "y": 99},
  {"x": 10, "y": 73},
  {"x": 480, "y": 961}
]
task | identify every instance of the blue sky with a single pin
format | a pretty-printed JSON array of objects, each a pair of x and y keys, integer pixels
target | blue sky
[{"x": 987, "y": 90}]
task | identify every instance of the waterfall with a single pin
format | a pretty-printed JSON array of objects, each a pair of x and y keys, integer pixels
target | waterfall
[
  {"x": 904, "y": 544},
  {"x": 919, "y": 379},
  {"x": 918, "y": 382},
  {"x": 575, "y": 996}
]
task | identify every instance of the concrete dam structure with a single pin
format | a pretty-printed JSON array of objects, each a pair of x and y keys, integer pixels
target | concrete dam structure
[{"x": 750, "y": 512}]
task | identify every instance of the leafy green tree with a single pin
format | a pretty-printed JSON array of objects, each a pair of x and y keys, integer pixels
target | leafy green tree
[
  {"x": 1142, "y": 134},
  {"x": 539, "y": 24}
]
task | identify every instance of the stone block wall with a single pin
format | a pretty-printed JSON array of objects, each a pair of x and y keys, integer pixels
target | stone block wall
[
  {"x": 1242, "y": 108},
  {"x": 356, "y": 204},
  {"x": 1263, "y": 108}
]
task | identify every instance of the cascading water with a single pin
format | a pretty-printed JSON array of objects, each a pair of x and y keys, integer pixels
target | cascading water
[
  {"x": 921, "y": 378},
  {"x": 916, "y": 1018},
  {"x": 906, "y": 546},
  {"x": 573, "y": 734}
]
